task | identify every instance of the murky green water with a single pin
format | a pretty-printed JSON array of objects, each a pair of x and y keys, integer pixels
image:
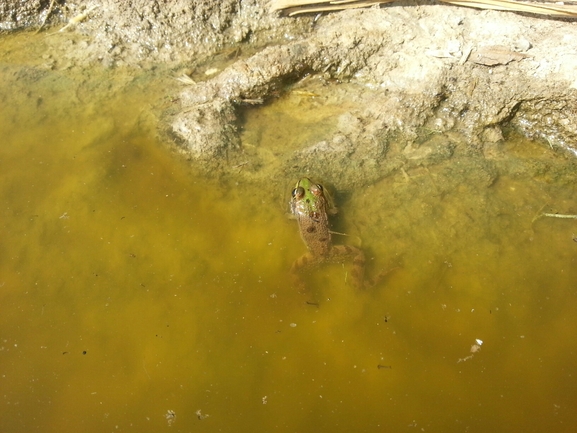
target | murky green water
[{"x": 136, "y": 296}]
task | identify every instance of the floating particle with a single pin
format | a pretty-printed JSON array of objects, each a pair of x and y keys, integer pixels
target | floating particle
[
  {"x": 170, "y": 416},
  {"x": 200, "y": 415},
  {"x": 474, "y": 349}
]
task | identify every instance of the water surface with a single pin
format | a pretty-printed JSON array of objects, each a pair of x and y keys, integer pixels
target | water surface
[{"x": 138, "y": 296}]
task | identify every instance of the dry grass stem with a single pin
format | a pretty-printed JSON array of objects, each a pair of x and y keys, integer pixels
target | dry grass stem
[
  {"x": 558, "y": 215},
  {"x": 296, "y": 7},
  {"x": 78, "y": 18},
  {"x": 52, "y": 2}
]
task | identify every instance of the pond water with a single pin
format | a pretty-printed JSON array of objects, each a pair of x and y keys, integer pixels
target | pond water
[{"x": 136, "y": 295}]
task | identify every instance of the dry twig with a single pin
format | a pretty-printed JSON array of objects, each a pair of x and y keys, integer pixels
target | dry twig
[
  {"x": 52, "y": 3},
  {"x": 78, "y": 18},
  {"x": 296, "y": 7}
]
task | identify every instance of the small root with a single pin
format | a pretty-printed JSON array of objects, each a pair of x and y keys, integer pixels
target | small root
[{"x": 50, "y": 8}]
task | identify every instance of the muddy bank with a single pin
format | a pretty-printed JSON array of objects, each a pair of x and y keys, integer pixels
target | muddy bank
[
  {"x": 417, "y": 82},
  {"x": 143, "y": 32},
  {"x": 409, "y": 73}
]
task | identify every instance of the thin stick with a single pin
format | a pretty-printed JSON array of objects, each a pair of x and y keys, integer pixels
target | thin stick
[
  {"x": 78, "y": 18},
  {"x": 337, "y": 233},
  {"x": 558, "y": 215},
  {"x": 294, "y": 7},
  {"x": 538, "y": 214},
  {"x": 52, "y": 2}
]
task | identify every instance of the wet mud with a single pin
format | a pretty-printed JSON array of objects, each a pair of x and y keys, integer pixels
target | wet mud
[{"x": 403, "y": 72}]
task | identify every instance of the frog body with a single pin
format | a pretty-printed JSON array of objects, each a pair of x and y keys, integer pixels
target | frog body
[{"x": 311, "y": 206}]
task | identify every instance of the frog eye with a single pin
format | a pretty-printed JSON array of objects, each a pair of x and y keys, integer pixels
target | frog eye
[
  {"x": 317, "y": 189},
  {"x": 298, "y": 192}
]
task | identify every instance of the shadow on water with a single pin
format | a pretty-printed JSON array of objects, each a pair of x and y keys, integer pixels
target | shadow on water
[{"x": 139, "y": 296}]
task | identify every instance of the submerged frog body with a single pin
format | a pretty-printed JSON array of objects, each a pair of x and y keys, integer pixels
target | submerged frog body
[{"x": 311, "y": 206}]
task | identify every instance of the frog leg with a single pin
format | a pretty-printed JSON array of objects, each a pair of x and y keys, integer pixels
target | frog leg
[
  {"x": 380, "y": 277},
  {"x": 303, "y": 262},
  {"x": 342, "y": 252}
]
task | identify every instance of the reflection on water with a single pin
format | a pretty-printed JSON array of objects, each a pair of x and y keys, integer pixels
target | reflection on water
[{"x": 137, "y": 296}]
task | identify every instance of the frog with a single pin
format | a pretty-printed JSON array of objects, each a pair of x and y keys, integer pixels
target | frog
[{"x": 311, "y": 205}]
